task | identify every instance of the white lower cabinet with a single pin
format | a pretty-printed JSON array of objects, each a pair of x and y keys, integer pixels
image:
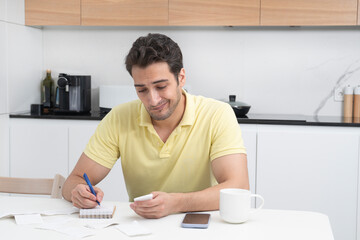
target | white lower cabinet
[
  {"x": 38, "y": 148},
  {"x": 249, "y": 133},
  {"x": 4, "y": 145},
  {"x": 311, "y": 169},
  {"x": 79, "y": 135}
]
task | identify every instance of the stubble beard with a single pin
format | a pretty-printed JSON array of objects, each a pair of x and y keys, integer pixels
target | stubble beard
[{"x": 160, "y": 116}]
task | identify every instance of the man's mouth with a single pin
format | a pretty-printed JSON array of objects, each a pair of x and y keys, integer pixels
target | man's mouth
[{"x": 159, "y": 107}]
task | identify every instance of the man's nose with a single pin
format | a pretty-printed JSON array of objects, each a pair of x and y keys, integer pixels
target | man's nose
[{"x": 154, "y": 97}]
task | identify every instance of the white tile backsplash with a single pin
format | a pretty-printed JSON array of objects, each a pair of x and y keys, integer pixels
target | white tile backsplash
[
  {"x": 277, "y": 70},
  {"x": 3, "y": 10},
  {"x": 16, "y": 11},
  {"x": 25, "y": 73},
  {"x": 3, "y": 69}
]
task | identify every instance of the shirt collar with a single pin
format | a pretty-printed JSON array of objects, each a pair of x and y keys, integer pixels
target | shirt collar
[
  {"x": 189, "y": 114},
  {"x": 187, "y": 119}
]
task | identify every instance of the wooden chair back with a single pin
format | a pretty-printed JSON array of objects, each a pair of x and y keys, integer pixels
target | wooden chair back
[{"x": 41, "y": 186}]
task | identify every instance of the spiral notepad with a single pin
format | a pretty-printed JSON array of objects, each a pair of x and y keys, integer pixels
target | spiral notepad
[{"x": 98, "y": 212}]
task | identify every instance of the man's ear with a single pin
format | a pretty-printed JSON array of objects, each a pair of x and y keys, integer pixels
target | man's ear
[{"x": 182, "y": 77}]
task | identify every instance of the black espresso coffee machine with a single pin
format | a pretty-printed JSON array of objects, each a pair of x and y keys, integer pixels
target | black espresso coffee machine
[{"x": 73, "y": 94}]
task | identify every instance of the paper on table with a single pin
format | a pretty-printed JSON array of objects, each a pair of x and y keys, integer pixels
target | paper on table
[
  {"x": 133, "y": 229},
  {"x": 66, "y": 226},
  {"x": 14, "y": 212},
  {"x": 98, "y": 223},
  {"x": 65, "y": 211},
  {"x": 28, "y": 219},
  {"x": 44, "y": 206}
]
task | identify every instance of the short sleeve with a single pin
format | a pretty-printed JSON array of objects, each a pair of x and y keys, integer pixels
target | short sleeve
[
  {"x": 103, "y": 146},
  {"x": 226, "y": 135}
]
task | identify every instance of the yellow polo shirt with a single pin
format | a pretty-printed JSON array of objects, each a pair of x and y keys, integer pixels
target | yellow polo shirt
[{"x": 208, "y": 130}]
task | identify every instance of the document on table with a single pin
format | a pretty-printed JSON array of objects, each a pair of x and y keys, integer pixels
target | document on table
[
  {"x": 67, "y": 226},
  {"x": 14, "y": 212},
  {"x": 43, "y": 206},
  {"x": 28, "y": 219},
  {"x": 98, "y": 223},
  {"x": 133, "y": 229}
]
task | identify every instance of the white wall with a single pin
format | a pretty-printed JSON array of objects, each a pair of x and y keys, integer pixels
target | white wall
[
  {"x": 25, "y": 70},
  {"x": 21, "y": 56},
  {"x": 4, "y": 117},
  {"x": 3, "y": 68},
  {"x": 278, "y": 70},
  {"x": 22, "y": 63}
]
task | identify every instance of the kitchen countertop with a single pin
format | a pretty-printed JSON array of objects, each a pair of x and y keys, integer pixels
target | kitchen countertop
[
  {"x": 289, "y": 119},
  {"x": 85, "y": 116},
  {"x": 277, "y": 119}
]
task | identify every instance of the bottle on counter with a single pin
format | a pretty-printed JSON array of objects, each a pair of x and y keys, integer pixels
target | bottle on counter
[
  {"x": 47, "y": 92},
  {"x": 357, "y": 104},
  {"x": 348, "y": 104}
]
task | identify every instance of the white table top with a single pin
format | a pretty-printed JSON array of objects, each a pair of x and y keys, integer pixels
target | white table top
[{"x": 266, "y": 224}]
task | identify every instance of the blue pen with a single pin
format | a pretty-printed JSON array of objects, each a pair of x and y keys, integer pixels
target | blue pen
[{"x": 89, "y": 184}]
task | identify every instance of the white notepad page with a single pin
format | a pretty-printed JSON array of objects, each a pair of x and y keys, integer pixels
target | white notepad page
[{"x": 98, "y": 212}]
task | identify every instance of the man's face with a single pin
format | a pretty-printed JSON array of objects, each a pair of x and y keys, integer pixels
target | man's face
[{"x": 158, "y": 89}]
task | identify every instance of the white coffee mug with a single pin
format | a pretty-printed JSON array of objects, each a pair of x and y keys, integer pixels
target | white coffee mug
[{"x": 235, "y": 204}]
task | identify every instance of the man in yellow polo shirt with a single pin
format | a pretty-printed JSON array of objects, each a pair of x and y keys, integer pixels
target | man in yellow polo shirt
[{"x": 181, "y": 148}]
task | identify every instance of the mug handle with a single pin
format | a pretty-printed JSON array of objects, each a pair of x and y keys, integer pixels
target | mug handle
[{"x": 262, "y": 202}]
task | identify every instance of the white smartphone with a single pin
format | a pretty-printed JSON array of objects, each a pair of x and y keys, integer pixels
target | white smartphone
[
  {"x": 144, "y": 198},
  {"x": 196, "y": 220}
]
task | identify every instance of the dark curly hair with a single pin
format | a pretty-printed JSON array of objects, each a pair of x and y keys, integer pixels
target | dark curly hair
[{"x": 155, "y": 48}]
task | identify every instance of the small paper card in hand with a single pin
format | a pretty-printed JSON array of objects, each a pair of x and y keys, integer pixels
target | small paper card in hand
[{"x": 98, "y": 212}]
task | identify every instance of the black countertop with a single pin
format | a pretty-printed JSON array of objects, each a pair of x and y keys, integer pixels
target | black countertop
[
  {"x": 277, "y": 119},
  {"x": 288, "y": 119},
  {"x": 85, "y": 116}
]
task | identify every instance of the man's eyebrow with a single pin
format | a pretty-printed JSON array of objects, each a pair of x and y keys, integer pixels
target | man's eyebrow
[
  {"x": 155, "y": 82},
  {"x": 159, "y": 81}
]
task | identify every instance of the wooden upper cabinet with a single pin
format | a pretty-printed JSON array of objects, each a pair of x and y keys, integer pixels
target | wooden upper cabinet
[
  {"x": 308, "y": 12},
  {"x": 358, "y": 12},
  {"x": 192, "y": 12},
  {"x": 52, "y": 12},
  {"x": 124, "y": 12},
  {"x": 214, "y": 12}
]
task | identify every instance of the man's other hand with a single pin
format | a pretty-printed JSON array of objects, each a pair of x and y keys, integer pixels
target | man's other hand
[{"x": 161, "y": 205}]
